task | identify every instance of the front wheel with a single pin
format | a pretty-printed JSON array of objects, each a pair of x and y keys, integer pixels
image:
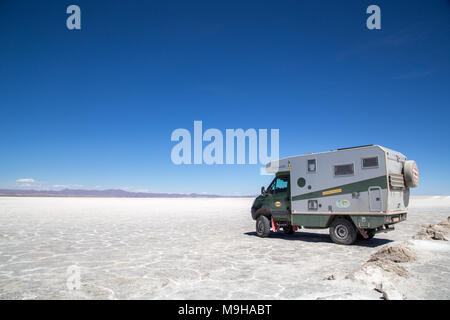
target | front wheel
[
  {"x": 262, "y": 226},
  {"x": 288, "y": 229},
  {"x": 343, "y": 231}
]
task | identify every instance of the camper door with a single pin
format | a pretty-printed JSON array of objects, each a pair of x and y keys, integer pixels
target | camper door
[{"x": 375, "y": 202}]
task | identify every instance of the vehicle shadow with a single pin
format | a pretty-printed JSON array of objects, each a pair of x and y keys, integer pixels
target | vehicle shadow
[{"x": 320, "y": 237}]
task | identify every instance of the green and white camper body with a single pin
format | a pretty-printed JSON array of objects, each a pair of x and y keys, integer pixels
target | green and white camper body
[{"x": 368, "y": 186}]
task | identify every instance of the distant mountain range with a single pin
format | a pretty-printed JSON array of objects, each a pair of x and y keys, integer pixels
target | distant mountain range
[{"x": 111, "y": 193}]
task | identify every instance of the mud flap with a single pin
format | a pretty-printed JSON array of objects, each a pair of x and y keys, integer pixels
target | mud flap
[
  {"x": 363, "y": 233},
  {"x": 275, "y": 228}
]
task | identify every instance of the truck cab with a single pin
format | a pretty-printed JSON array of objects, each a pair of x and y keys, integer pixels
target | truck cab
[{"x": 276, "y": 200}]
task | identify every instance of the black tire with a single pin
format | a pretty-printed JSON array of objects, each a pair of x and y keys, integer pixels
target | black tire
[
  {"x": 343, "y": 231},
  {"x": 288, "y": 230},
  {"x": 262, "y": 226}
]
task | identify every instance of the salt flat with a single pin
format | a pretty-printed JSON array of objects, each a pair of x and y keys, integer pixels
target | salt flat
[{"x": 194, "y": 249}]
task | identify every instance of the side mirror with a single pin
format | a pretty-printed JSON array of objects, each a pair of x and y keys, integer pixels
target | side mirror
[{"x": 262, "y": 190}]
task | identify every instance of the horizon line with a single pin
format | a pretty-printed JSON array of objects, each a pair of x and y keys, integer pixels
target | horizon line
[{"x": 110, "y": 193}]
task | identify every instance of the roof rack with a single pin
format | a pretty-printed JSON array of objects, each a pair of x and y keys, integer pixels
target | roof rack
[{"x": 366, "y": 145}]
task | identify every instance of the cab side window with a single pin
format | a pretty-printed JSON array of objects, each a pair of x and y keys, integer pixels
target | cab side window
[{"x": 280, "y": 185}]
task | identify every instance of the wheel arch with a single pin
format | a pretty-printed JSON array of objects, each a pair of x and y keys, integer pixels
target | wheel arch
[
  {"x": 333, "y": 217},
  {"x": 263, "y": 211}
]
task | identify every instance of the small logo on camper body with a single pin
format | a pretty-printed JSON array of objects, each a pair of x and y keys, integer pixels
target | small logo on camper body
[{"x": 343, "y": 203}]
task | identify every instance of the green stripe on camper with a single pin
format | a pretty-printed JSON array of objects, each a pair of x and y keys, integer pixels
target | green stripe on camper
[{"x": 359, "y": 186}]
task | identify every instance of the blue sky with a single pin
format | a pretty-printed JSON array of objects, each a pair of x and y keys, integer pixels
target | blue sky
[{"x": 95, "y": 108}]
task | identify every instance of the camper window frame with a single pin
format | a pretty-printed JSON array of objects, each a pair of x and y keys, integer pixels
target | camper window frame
[
  {"x": 375, "y": 167},
  {"x": 307, "y": 166},
  {"x": 343, "y": 164}
]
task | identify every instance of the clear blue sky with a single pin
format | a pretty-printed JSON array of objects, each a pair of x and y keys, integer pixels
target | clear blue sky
[{"x": 96, "y": 107}]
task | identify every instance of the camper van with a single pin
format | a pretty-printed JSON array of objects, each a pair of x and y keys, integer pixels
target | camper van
[{"x": 355, "y": 192}]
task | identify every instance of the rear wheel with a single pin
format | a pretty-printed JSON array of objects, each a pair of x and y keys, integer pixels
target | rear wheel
[
  {"x": 343, "y": 231},
  {"x": 262, "y": 226}
]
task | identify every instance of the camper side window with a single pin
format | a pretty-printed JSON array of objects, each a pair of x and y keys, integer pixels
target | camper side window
[
  {"x": 370, "y": 162},
  {"x": 343, "y": 169},
  {"x": 312, "y": 165}
]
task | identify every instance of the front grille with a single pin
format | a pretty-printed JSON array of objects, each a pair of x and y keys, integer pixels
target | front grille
[{"x": 397, "y": 181}]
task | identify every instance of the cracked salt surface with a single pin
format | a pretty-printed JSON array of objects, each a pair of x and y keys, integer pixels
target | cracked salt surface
[{"x": 194, "y": 249}]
